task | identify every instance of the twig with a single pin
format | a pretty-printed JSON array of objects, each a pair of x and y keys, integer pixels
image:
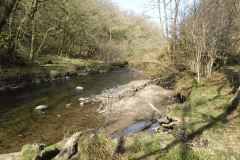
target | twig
[{"x": 154, "y": 108}]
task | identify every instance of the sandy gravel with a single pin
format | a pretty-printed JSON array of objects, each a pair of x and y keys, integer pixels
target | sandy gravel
[{"x": 133, "y": 105}]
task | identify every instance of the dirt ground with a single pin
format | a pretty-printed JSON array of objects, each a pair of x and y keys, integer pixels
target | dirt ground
[{"x": 133, "y": 105}]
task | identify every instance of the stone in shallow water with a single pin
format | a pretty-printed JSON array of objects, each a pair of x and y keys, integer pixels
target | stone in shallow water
[
  {"x": 41, "y": 107},
  {"x": 79, "y": 88},
  {"x": 81, "y": 99},
  {"x": 68, "y": 105}
]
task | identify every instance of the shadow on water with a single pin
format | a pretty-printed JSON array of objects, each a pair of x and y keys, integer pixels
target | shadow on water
[{"x": 20, "y": 123}]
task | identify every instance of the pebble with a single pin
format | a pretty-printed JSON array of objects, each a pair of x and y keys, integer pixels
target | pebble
[
  {"x": 79, "y": 88},
  {"x": 41, "y": 107},
  {"x": 68, "y": 105},
  {"x": 81, "y": 99}
]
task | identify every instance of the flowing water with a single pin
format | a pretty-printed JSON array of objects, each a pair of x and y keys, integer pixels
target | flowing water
[{"x": 20, "y": 123}]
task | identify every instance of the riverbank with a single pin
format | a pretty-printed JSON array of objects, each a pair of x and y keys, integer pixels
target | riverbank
[
  {"x": 50, "y": 67},
  {"x": 208, "y": 128}
]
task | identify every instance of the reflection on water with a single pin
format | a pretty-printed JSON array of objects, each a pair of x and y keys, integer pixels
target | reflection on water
[{"x": 21, "y": 124}]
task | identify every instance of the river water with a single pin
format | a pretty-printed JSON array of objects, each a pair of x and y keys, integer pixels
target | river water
[{"x": 20, "y": 123}]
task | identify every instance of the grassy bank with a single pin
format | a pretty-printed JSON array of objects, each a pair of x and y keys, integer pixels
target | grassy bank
[
  {"x": 210, "y": 120},
  {"x": 50, "y": 67}
]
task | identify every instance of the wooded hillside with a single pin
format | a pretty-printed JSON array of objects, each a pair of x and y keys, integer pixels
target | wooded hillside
[
  {"x": 199, "y": 38},
  {"x": 71, "y": 28}
]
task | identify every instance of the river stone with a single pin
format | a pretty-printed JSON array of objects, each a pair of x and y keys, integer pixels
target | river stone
[
  {"x": 81, "y": 99},
  {"x": 157, "y": 129},
  {"x": 68, "y": 105},
  {"x": 170, "y": 125},
  {"x": 41, "y": 107},
  {"x": 79, "y": 88},
  {"x": 163, "y": 120}
]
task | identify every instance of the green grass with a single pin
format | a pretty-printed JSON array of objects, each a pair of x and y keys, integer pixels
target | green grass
[
  {"x": 98, "y": 147},
  {"x": 29, "y": 152},
  {"x": 58, "y": 65},
  {"x": 207, "y": 112},
  {"x": 56, "y": 145},
  {"x": 147, "y": 145}
]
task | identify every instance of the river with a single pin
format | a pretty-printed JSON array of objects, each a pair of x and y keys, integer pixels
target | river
[{"x": 20, "y": 123}]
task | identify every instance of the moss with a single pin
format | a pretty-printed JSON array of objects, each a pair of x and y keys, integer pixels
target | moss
[
  {"x": 185, "y": 85},
  {"x": 56, "y": 145},
  {"x": 29, "y": 151}
]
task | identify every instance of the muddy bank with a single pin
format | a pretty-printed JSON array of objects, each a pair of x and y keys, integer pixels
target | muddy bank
[{"x": 131, "y": 105}]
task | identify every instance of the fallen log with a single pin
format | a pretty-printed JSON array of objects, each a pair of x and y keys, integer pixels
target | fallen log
[
  {"x": 70, "y": 147},
  {"x": 11, "y": 156}
]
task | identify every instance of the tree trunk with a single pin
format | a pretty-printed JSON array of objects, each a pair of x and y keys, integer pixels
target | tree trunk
[
  {"x": 160, "y": 15},
  {"x": 32, "y": 42},
  {"x": 174, "y": 29},
  {"x": 166, "y": 22},
  {"x": 8, "y": 11},
  {"x": 43, "y": 40}
]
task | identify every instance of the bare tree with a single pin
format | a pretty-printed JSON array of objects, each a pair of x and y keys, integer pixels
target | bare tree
[{"x": 208, "y": 34}]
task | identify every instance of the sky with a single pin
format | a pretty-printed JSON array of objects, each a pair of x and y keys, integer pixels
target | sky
[
  {"x": 141, "y": 6},
  {"x": 138, "y": 6}
]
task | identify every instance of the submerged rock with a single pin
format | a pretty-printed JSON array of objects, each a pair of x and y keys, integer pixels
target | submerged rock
[{"x": 41, "y": 107}]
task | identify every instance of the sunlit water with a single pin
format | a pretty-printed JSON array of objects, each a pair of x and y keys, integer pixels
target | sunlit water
[{"x": 20, "y": 123}]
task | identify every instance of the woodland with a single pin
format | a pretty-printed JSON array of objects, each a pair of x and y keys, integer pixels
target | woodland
[
  {"x": 199, "y": 38},
  {"x": 193, "y": 47}
]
